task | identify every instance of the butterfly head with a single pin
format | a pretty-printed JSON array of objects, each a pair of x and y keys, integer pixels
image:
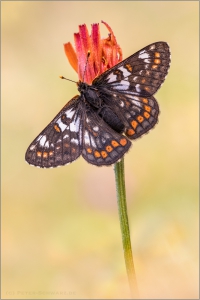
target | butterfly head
[
  {"x": 82, "y": 86},
  {"x": 90, "y": 94}
]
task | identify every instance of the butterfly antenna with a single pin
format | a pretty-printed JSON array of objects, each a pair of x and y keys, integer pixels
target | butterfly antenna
[
  {"x": 88, "y": 55},
  {"x": 62, "y": 77}
]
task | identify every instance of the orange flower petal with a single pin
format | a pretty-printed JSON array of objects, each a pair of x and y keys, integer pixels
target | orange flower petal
[{"x": 71, "y": 55}]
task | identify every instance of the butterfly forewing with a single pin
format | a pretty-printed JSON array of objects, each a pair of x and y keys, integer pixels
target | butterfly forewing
[
  {"x": 141, "y": 74},
  {"x": 60, "y": 142}
]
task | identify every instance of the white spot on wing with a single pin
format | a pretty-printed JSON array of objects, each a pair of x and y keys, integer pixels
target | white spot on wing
[
  {"x": 74, "y": 141},
  {"x": 47, "y": 144},
  {"x": 62, "y": 126},
  {"x": 136, "y": 103},
  {"x": 38, "y": 138},
  {"x": 69, "y": 113},
  {"x": 93, "y": 142},
  {"x": 65, "y": 136},
  {"x": 143, "y": 55},
  {"x": 124, "y": 71},
  {"x": 74, "y": 127},
  {"x": 89, "y": 140},
  {"x": 152, "y": 47},
  {"x": 111, "y": 78},
  {"x": 135, "y": 100},
  {"x": 32, "y": 147},
  {"x": 43, "y": 140},
  {"x": 128, "y": 115},
  {"x": 95, "y": 128},
  {"x": 123, "y": 85},
  {"x": 86, "y": 138},
  {"x": 137, "y": 87}
]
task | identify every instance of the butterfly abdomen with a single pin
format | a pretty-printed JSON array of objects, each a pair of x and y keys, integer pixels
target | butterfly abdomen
[{"x": 111, "y": 119}]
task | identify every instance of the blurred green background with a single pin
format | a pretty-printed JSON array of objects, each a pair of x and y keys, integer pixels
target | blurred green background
[{"x": 60, "y": 229}]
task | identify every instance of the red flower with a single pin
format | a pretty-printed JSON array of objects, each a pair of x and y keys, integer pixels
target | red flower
[{"x": 104, "y": 53}]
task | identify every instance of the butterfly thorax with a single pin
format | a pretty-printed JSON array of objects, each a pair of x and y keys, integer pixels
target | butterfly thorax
[
  {"x": 90, "y": 93},
  {"x": 92, "y": 96}
]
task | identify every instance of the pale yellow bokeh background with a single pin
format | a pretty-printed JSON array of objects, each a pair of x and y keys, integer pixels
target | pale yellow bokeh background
[{"x": 60, "y": 229}]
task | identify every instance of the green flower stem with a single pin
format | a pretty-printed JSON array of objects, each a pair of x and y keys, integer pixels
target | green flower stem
[{"x": 123, "y": 216}]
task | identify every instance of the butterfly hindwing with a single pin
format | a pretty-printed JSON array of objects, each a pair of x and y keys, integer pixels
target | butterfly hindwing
[
  {"x": 142, "y": 119},
  {"x": 60, "y": 142},
  {"x": 101, "y": 144},
  {"x": 138, "y": 114}
]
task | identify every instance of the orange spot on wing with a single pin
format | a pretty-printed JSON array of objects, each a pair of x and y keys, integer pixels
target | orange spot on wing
[
  {"x": 73, "y": 150},
  {"x": 146, "y": 114},
  {"x": 89, "y": 150},
  {"x": 140, "y": 119},
  {"x": 130, "y": 132},
  {"x": 154, "y": 67},
  {"x": 157, "y": 61},
  {"x": 134, "y": 124},
  {"x": 104, "y": 154},
  {"x": 143, "y": 80},
  {"x": 95, "y": 133},
  {"x": 56, "y": 127},
  {"x": 109, "y": 148},
  {"x": 123, "y": 142},
  {"x": 97, "y": 154},
  {"x": 147, "y": 88},
  {"x": 144, "y": 100},
  {"x": 128, "y": 66},
  {"x": 50, "y": 153},
  {"x": 117, "y": 72},
  {"x": 45, "y": 154},
  {"x": 147, "y": 108},
  {"x": 157, "y": 54},
  {"x": 114, "y": 143},
  {"x": 127, "y": 103},
  {"x": 39, "y": 153}
]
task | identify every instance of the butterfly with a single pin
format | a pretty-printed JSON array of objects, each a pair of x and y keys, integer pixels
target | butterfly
[{"x": 117, "y": 107}]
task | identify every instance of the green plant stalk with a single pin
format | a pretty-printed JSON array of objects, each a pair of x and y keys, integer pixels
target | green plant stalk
[{"x": 124, "y": 224}]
